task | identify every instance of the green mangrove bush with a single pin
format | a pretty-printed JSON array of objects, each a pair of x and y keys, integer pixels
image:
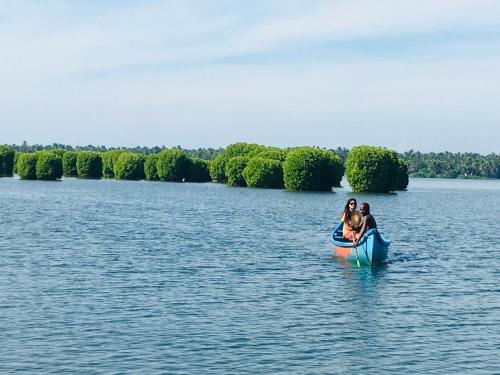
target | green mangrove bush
[
  {"x": 198, "y": 170},
  {"x": 26, "y": 166},
  {"x": 89, "y": 164},
  {"x": 375, "y": 169},
  {"x": 234, "y": 171},
  {"x": 218, "y": 164},
  {"x": 264, "y": 173},
  {"x": 109, "y": 159},
  {"x": 312, "y": 169},
  {"x": 400, "y": 171},
  {"x": 172, "y": 165},
  {"x": 7, "y": 155},
  {"x": 16, "y": 158},
  {"x": 58, "y": 151},
  {"x": 273, "y": 153},
  {"x": 129, "y": 166},
  {"x": 217, "y": 169},
  {"x": 48, "y": 166},
  {"x": 69, "y": 164},
  {"x": 150, "y": 169}
]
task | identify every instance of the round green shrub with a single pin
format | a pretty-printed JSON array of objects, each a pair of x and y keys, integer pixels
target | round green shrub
[
  {"x": 26, "y": 166},
  {"x": 109, "y": 159},
  {"x": 218, "y": 164},
  {"x": 312, "y": 169},
  {"x": 273, "y": 153},
  {"x": 88, "y": 164},
  {"x": 58, "y": 151},
  {"x": 217, "y": 169},
  {"x": 375, "y": 169},
  {"x": 198, "y": 170},
  {"x": 172, "y": 165},
  {"x": 48, "y": 166},
  {"x": 242, "y": 149},
  {"x": 234, "y": 171},
  {"x": 7, "y": 155},
  {"x": 150, "y": 169},
  {"x": 16, "y": 158},
  {"x": 400, "y": 171},
  {"x": 264, "y": 173},
  {"x": 69, "y": 164},
  {"x": 129, "y": 166}
]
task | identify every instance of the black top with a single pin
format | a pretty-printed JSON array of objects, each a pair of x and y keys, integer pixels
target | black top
[{"x": 370, "y": 223}]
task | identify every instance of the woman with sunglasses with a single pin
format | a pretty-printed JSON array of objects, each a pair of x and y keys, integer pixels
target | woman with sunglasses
[{"x": 351, "y": 219}]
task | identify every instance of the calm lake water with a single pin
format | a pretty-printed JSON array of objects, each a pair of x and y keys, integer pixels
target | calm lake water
[{"x": 144, "y": 277}]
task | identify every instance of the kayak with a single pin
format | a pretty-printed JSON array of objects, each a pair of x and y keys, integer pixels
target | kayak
[{"x": 371, "y": 250}]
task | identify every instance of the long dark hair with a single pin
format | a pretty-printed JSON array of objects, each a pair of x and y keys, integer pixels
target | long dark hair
[{"x": 347, "y": 211}]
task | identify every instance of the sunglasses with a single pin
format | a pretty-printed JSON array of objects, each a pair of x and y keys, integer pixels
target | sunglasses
[{"x": 352, "y": 203}]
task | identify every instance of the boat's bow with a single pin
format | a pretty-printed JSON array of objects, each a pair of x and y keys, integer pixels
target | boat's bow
[{"x": 371, "y": 249}]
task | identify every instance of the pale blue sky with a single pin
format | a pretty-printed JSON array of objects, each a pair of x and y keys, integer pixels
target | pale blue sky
[{"x": 402, "y": 74}]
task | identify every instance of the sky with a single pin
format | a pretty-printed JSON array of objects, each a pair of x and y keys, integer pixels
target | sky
[{"x": 421, "y": 75}]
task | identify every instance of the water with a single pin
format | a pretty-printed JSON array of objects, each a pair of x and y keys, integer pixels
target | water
[{"x": 142, "y": 277}]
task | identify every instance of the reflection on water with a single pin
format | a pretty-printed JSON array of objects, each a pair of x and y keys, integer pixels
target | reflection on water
[{"x": 141, "y": 277}]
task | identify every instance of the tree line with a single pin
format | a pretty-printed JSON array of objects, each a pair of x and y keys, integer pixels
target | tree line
[
  {"x": 442, "y": 164},
  {"x": 240, "y": 165},
  {"x": 202, "y": 153},
  {"x": 452, "y": 165}
]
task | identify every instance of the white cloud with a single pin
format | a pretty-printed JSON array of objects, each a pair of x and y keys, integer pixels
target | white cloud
[{"x": 157, "y": 33}]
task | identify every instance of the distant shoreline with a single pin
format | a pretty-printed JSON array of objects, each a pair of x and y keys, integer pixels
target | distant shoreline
[{"x": 461, "y": 165}]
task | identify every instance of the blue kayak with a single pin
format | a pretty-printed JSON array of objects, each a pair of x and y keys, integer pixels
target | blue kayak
[{"x": 371, "y": 250}]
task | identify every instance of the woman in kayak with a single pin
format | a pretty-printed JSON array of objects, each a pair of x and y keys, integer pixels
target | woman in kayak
[{"x": 351, "y": 219}]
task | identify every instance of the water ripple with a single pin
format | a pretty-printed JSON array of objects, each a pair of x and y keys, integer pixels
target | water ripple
[{"x": 136, "y": 277}]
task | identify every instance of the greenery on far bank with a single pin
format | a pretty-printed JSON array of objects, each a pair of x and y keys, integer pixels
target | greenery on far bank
[
  {"x": 442, "y": 164},
  {"x": 450, "y": 165},
  {"x": 240, "y": 164},
  {"x": 202, "y": 153},
  {"x": 367, "y": 168},
  {"x": 296, "y": 169}
]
